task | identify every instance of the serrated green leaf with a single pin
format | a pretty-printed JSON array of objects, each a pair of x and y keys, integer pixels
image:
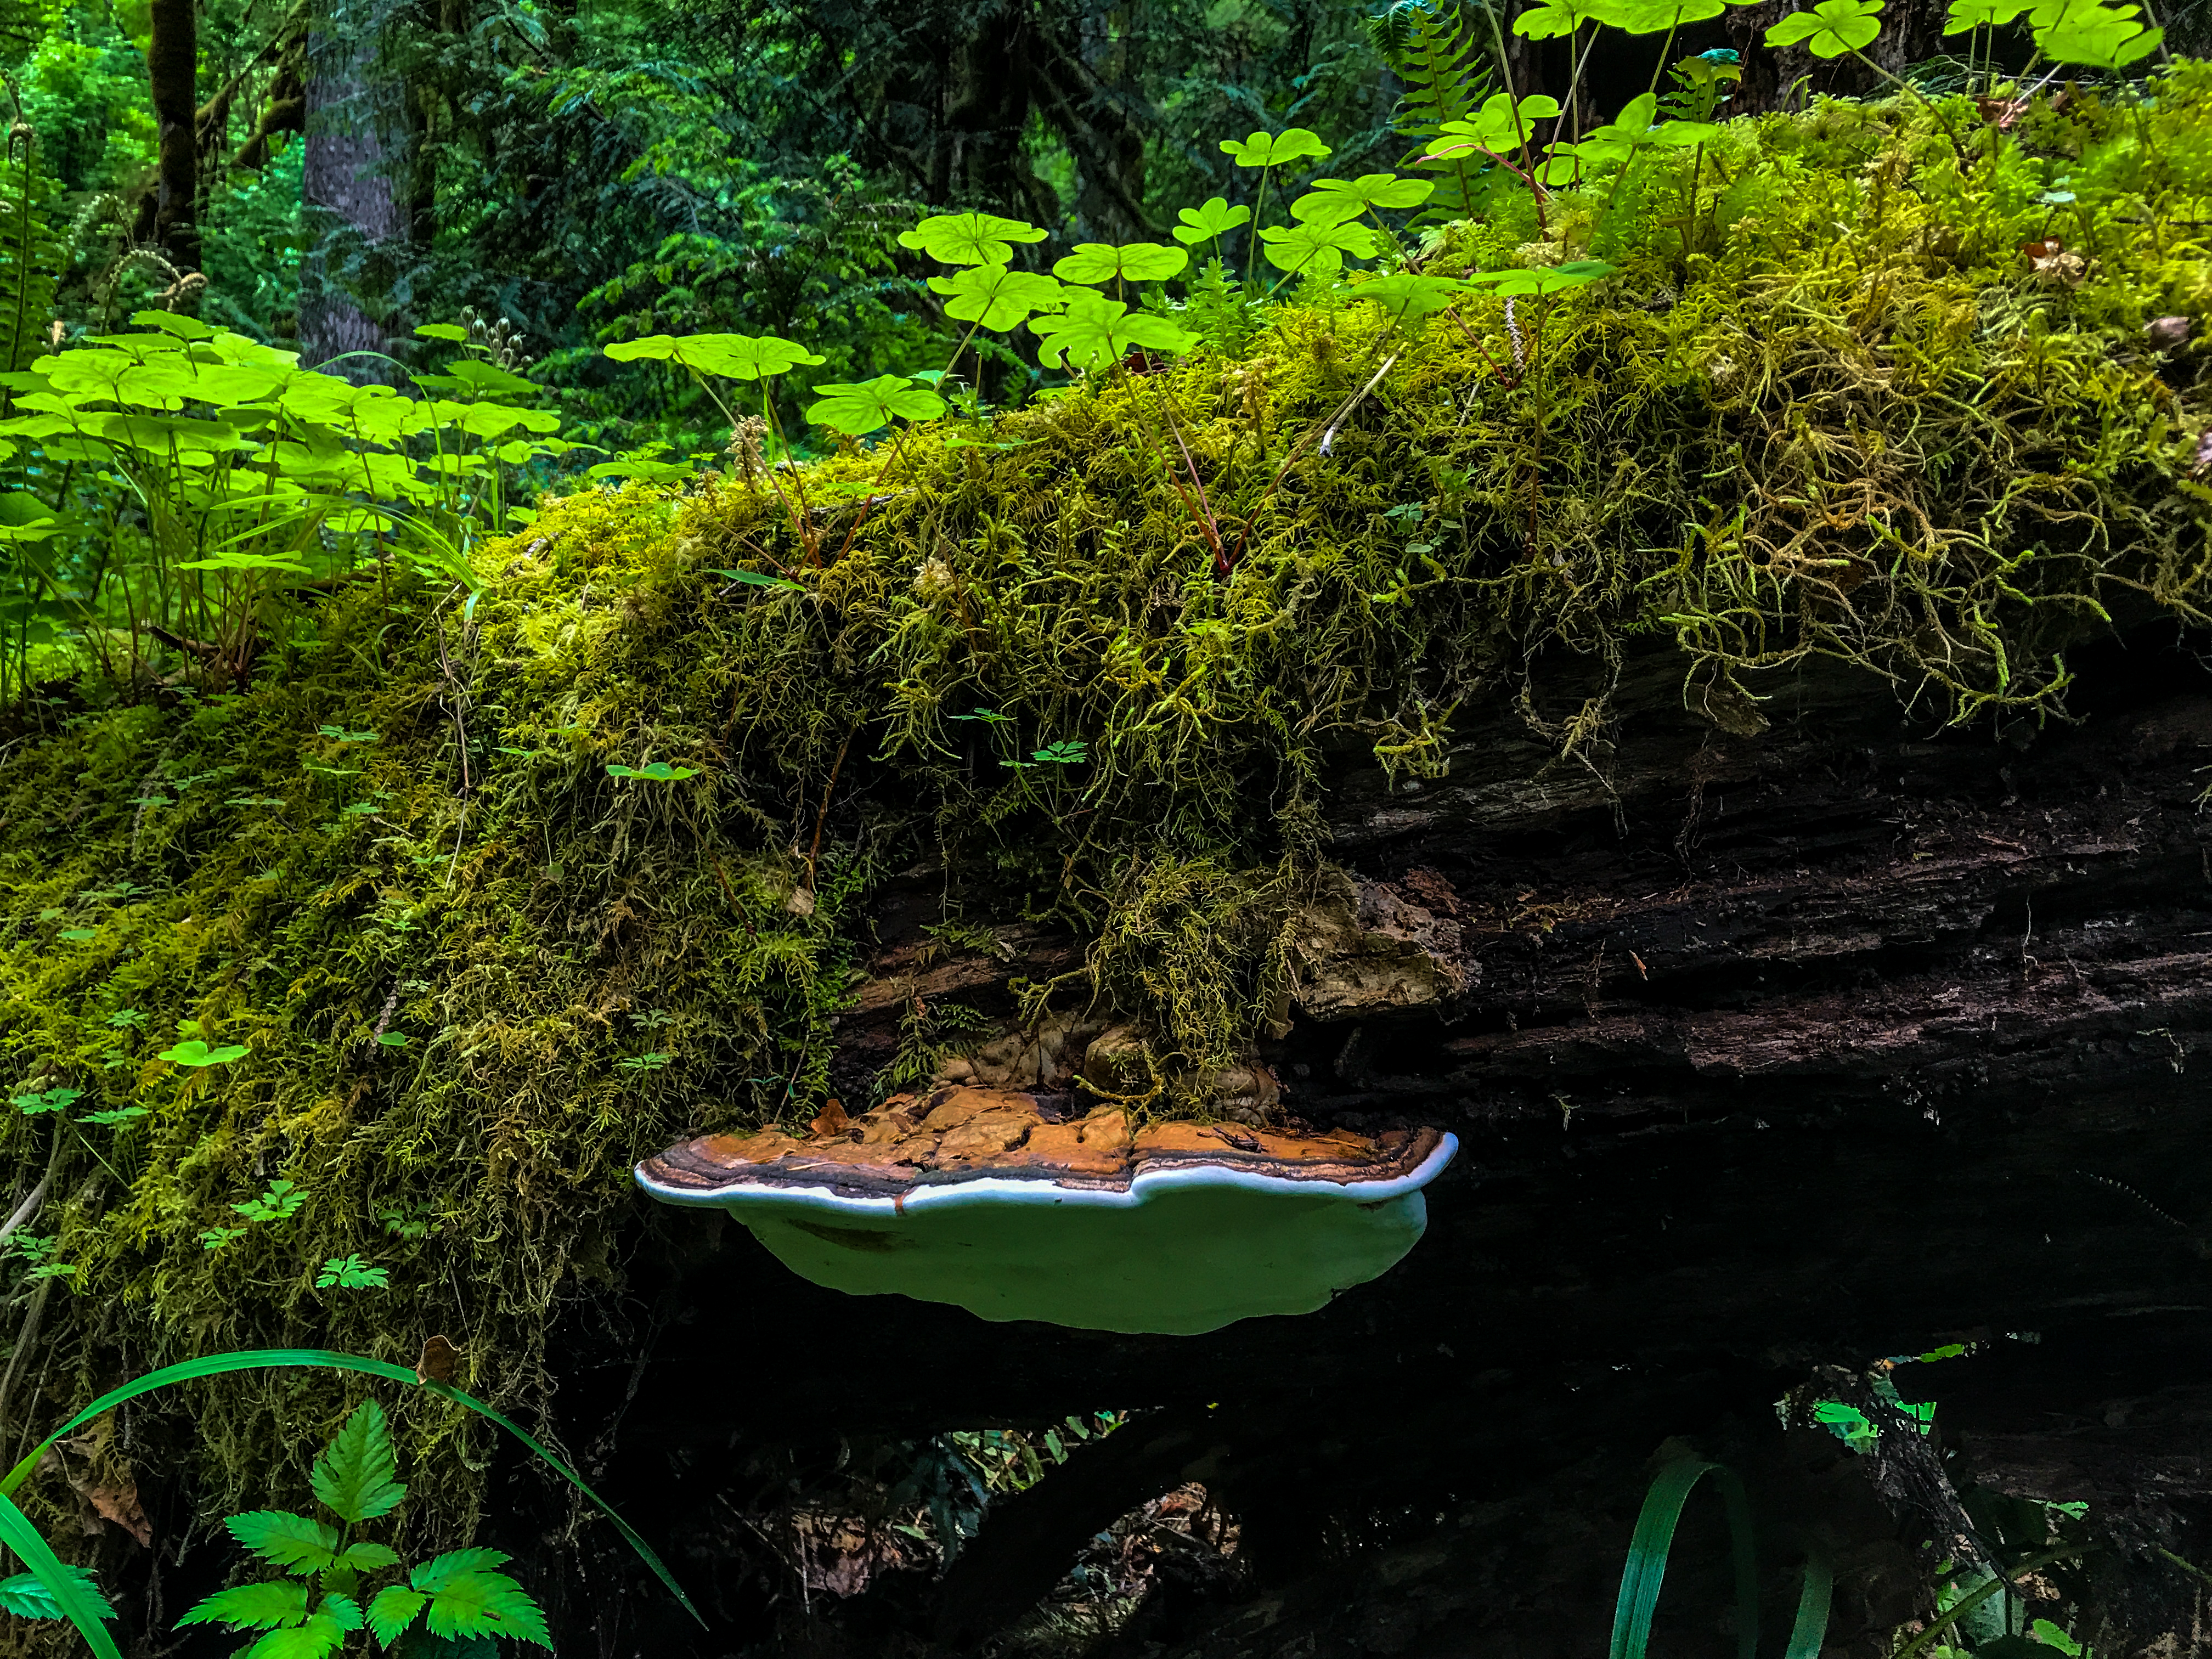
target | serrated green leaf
[
  {"x": 367, "y": 1556},
  {"x": 485, "y": 1603},
  {"x": 27, "y": 1596},
  {"x": 355, "y": 1478},
  {"x": 297, "y": 1543},
  {"x": 441, "y": 1569},
  {"x": 17, "y": 1533},
  {"x": 393, "y": 1610},
  {"x": 322, "y": 1634},
  {"x": 277, "y": 1605}
]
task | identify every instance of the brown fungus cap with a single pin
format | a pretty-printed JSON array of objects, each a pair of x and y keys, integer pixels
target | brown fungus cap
[{"x": 957, "y": 1134}]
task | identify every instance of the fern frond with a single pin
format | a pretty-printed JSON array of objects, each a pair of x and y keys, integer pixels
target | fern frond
[
  {"x": 1429, "y": 47},
  {"x": 30, "y": 259}
]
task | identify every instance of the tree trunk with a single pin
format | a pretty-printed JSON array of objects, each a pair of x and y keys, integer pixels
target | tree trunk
[
  {"x": 172, "y": 68},
  {"x": 355, "y": 190}
]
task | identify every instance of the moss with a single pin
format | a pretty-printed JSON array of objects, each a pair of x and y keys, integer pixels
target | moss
[{"x": 1828, "y": 410}]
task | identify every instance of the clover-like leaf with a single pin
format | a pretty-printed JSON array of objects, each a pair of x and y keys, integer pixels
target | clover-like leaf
[
  {"x": 356, "y": 1476},
  {"x": 1099, "y": 263},
  {"x": 1656, "y": 16},
  {"x": 1214, "y": 220},
  {"x": 1544, "y": 279},
  {"x": 1831, "y": 28},
  {"x": 297, "y": 1543},
  {"x": 1313, "y": 249},
  {"x": 1094, "y": 331},
  {"x": 1266, "y": 149},
  {"x": 866, "y": 406},
  {"x": 737, "y": 357},
  {"x": 2098, "y": 37},
  {"x": 969, "y": 239},
  {"x": 1965, "y": 14},
  {"x": 1369, "y": 192},
  {"x": 994, "y": 297},
  {"x": 1553, "y": 18},
  {"x": 196, "y": 1053},
  {"x": 1403, "y": 297},
  {"x": 1498, "y": 128}
]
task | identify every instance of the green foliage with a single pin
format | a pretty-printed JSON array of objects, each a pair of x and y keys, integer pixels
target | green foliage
[
  {"x": 1830, "y": 28},
  {"x": 871, "y": 405},
  {"x": 30, "y": 257},
  {"x": 356, "y": 1479},
  {"x": 237, "y": 479}
]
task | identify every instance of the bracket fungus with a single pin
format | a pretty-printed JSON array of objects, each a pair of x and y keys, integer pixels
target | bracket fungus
[{"x": 988, "y": 1199}]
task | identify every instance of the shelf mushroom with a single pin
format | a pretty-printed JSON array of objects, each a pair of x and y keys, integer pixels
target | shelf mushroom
[{"x": 982, "y": 1198}]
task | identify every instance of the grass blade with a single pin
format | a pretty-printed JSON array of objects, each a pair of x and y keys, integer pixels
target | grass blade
[
  {"x": 78, "y": 1605},
  {"x": 1812, "y": 1626},
  {"x": 216, "y": 1365},
  {"x": 1648, "y": 1547}
]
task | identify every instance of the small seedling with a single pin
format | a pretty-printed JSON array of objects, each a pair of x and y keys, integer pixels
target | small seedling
[
  {"x": 342, "y": 735},
  {"x": 46, "y": 1100},
  {"x": 644, "y": 1062},
  {"x": 196, "y": 1053},
  {"x": 393, "y": 1039},
  {"x": 215, "y": 1237},
  {"x": 350, "y": 1272},
  {"x": 460, "y": 1598},
  {"x": 279, "y": 1201},
  {"x": 120, "y": 1114},
  {"x": 656, "y": 772}
]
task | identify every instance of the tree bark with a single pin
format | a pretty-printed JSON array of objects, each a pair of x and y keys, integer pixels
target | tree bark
[
  {"x": 172, "y": 68},
  {"x": 356, "y": 138}
]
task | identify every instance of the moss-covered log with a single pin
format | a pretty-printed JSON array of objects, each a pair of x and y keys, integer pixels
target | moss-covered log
[{"x": 1723, "y": 744}]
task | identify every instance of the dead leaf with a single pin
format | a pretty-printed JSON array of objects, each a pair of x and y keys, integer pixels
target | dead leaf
[
  {"x": 441, "y": 1361},
  {"x": 120, "y": 1504},
  {"x": 831, "y": 1121}
]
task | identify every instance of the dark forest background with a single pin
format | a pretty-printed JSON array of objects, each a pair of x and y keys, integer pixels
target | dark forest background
[{"x": 329, "y": 173}]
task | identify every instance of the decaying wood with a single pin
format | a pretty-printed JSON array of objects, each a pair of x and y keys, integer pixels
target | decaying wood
[{"x": 1765, "y": 1052}]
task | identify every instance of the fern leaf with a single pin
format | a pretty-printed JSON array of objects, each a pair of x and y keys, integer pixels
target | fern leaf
[
  {"x": 30, "y": 259},
  {"x": 25, "y": 1596}
]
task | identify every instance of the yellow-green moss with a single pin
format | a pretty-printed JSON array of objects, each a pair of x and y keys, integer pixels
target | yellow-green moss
[{"x": 1847, "y": 418}]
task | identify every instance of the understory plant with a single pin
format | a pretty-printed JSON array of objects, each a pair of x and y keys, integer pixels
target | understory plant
[{"x": 334, "y": 1583}]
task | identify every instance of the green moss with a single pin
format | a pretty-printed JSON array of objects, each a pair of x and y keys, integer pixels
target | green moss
[{"x": 1831, "y": 412}]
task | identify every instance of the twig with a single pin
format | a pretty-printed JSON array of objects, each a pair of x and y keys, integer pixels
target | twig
[{"x": 823, "y": 816}]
